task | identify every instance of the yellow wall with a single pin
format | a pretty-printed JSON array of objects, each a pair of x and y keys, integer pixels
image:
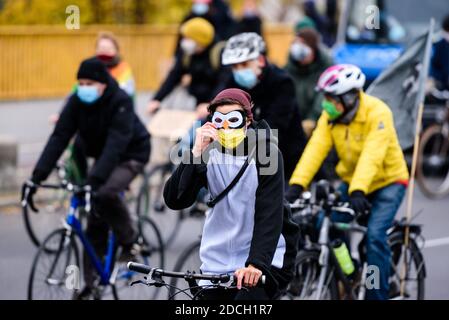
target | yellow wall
[{"x": 41, "y": 61}]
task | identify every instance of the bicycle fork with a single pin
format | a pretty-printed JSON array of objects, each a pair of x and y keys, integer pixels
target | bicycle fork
[{"x": 324, "y": 255}]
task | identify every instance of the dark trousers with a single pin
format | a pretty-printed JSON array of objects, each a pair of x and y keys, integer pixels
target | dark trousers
[
  {"x": 111, "y": 212},
  {"x": 385, "y": 203}
]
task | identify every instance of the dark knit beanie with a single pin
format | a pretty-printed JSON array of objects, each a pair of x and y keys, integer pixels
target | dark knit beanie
[
  {"x": 93, "y": 69},
  {"x": 233, "y": 94}
]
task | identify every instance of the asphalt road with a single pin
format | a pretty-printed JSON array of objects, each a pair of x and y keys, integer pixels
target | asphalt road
[{"x": 28, "y": 122}]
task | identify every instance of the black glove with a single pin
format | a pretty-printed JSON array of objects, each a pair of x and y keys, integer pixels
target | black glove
[
  {"x": 28, "y": 190},
  {"x": 359, "y": 202},
  {"x": 294, "y": 192}
]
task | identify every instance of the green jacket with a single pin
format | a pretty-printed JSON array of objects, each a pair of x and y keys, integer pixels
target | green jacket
[{"x": 305, "y": 79}]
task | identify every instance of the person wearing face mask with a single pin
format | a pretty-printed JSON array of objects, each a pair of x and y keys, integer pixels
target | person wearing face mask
[
  {"x": 371, "y": 163},
  {"x": 439, "y": 63},
  {"x": 217, "y": 13},
  {"x": 199, "y": 58},
  {"x": 306, "y": 61},
  {"x": 272, "y": 91},
  {"x": 247, "y": 232},
  {"x": 102, "y": 116},
  {"x": 108, "y": 51}
]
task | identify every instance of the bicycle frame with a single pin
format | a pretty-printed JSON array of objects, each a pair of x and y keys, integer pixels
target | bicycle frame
[
  {"x": 74, "y": 224},
  {"x": 327, "y": 257}
]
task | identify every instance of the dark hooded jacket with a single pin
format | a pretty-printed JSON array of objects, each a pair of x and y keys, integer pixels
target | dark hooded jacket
[
  {"x": 251, "y": 224},
  {"x": 109, "y": 131}
]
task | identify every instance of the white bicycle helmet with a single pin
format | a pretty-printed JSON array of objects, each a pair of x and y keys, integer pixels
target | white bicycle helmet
[
  {"x": 243, "y": 47},
  {"x": 340, "y": 79}
]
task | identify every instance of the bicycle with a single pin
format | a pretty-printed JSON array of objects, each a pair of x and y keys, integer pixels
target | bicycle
[
  {"x": 318, "y": 274},
  {"x": 433, "y": 164},
  {"x": 214, "y": 281},
  {"x": 56, "y": 264},
  {"x": 54, "y": 202}
]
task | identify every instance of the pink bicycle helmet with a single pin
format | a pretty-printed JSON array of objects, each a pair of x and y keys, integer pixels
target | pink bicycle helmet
[{"x": 340, "y": 79}]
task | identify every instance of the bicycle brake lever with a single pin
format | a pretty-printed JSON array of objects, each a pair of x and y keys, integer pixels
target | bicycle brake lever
[{"x": 138, "y": 282}]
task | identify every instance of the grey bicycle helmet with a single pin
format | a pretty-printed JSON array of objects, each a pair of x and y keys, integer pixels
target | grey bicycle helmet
[{"x": 243, "y": 47}]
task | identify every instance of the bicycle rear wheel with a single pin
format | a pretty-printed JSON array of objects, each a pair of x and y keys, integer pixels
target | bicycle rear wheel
[
  {"x": 414, "y": 277},
  {"x": 304, "y": 285},
  {"x": 55, "y": 272},
  {"x": 189, "y": 260},
  {"x": 150, "y": 203},
  {"x": 152, "y": 254},
  {"x": 433, "y": 162}
]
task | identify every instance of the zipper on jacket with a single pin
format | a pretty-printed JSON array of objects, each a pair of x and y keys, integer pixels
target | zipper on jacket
[{"x": 348, "y": 149}]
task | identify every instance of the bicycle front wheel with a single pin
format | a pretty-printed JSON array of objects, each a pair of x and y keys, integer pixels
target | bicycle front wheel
[
  {"x": 407, "y": 269},
  {"x": 433, "y": 162},
  {"x": 304, "y": 285},
  {"x": 53, "y": 205},
  {"x": 55, "y": 272},
  {"x": 189, "y": 260}
]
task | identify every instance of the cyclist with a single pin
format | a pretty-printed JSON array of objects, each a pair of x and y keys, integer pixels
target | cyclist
[
  {"x": 271, "y": 89},
  {"x": 103, "y": 116},
  {"x": 247, "y": 230},
  {"x": 108, "y": 51},
  {"x": 371, "y": 162},
  {"x": 198, "y": 59}
]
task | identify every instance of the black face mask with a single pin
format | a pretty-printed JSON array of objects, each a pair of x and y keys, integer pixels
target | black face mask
[
  {"x": 350, "y": 103},
  {"x": 109, "y": 61}
]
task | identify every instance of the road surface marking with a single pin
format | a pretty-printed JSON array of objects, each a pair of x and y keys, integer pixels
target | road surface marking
[{"x": 436, "y": 242}]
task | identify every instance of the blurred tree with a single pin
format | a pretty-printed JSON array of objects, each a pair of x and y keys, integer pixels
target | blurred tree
[{"x": 98, "y": 11}]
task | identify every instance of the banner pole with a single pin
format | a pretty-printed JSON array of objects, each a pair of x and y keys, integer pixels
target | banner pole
[{"x": 410, "y": 191}]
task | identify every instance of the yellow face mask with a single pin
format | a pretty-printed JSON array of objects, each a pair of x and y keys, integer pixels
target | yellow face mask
[{"x": 231, "y": 138}]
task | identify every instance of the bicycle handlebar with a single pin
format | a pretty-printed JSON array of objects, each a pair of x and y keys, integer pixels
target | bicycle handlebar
[
  {"x": 218, "y": 278},
  {"x": 343, "y": 207},
  {"x": 28, "y": 185}
]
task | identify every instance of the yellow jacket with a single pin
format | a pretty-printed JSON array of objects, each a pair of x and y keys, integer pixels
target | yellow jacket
[{"x": 370, "y": 156}]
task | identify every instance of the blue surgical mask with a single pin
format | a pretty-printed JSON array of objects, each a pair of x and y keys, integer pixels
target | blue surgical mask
[
  {"x": 299, "y": 51},
  {"x": 87, "y": 94},
  {"x": 245, "y": 78},
  {"x": 200, "y": 8}
]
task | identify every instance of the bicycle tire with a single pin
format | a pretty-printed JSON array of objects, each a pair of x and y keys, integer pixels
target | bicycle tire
[
  {"x": 148, "y": 206},
  {"x": 45, "y": 220},
  {"x": 66, "y": 242},
  {"x": 192, "y": 251},
  {"x": 156, "y": 243},
  {"x": 295, "y": 290},
  {"x": 397, "y": 239},
  {"x": 424, "y": 185}
]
